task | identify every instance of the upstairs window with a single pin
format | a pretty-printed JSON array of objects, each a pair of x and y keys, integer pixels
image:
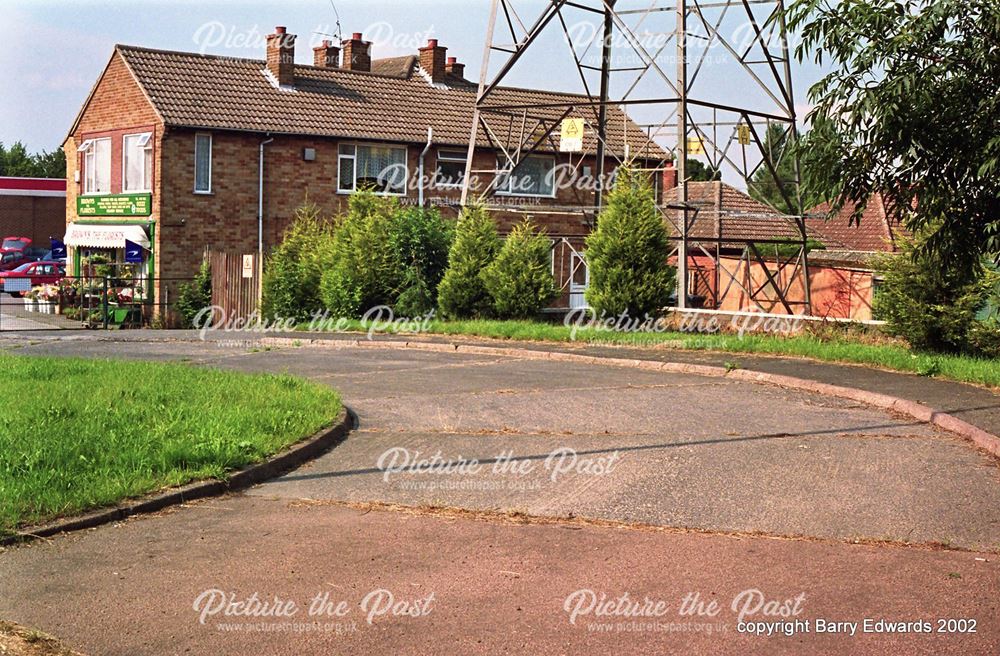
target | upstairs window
[
  {"x": 96, "y": 165},
  {"x": 450, "y": 168},
  {"x": 137, "y": 162},
  {"x": 532, "y": 177},
  {"x": 202, "y": 163},
  {"x": 382, "y": 168}
]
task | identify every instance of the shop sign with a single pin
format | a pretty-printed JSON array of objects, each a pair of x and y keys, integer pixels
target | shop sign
[{"x": 114, "y": 205}]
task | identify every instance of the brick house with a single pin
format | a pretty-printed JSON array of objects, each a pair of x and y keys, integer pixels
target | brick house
[{"x": 180, "y": 152}]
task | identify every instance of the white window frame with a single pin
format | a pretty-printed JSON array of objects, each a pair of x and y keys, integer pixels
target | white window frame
[
  {"x": 89, "y": 150},
  {"x": 505, "y": 190},
  {"x": 447, "y": 158},
  {"x": 353, "y": 158},
  {"x": 211, "y": 146},
  {"x": 145, "y": 143}
]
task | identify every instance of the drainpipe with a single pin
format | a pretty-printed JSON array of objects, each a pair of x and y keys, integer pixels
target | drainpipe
[
  {"x": 260, "y": 223},
  {"x": 420, "y": 173}
]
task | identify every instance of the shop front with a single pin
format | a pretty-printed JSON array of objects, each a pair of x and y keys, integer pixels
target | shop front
[{"x": 113, "y": 261}]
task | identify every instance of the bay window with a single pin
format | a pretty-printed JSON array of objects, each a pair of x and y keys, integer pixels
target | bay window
[
  {"x": 137, "y": 162},
  {"x": 96, "y": 165},
  {"x": 533, "y": 177},
  {"x": 381, "y": 168}
]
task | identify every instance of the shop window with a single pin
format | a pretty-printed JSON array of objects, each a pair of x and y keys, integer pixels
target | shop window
[
  {"x": 203, "y": 163},
  {"x": 96, "y": 166},
  {"x": 382, "y": 168},
  {"x": 137, "y": 162}
]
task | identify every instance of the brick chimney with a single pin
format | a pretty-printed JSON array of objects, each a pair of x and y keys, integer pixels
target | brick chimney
[
  {"x": 454, "y": 68},
  {"x": 281, "y": 56},
  {"x": 669, "y": 176},
  {"x": 356, "y": 54},
  {"x": 432, "y": 60},
  {"x": 326, "y": 55}
]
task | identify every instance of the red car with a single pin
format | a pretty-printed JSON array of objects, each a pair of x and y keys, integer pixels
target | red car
[
  {"x": 12, "y": 260},
  {"x": 14, "y": 244},
  {"x": 31, "y": 275}
]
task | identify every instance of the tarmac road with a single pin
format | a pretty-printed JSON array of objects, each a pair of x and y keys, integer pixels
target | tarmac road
[{"x": 548, "y": 467}]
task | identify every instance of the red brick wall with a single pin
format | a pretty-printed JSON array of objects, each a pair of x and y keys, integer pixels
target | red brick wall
[
  {"x": 37, "y": 217},
  {"x": 117, "y": 107},
  {"x": 227, "y": 218}
]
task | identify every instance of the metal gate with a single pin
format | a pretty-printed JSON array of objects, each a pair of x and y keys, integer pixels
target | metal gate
[{"x": 85, "y": 302}]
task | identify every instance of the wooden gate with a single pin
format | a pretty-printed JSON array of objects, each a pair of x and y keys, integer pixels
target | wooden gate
[{"x": 235, "y": 280}]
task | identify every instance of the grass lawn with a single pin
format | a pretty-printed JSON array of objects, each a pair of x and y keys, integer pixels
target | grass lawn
[
  {"x": 831, "y": 349},
  {"x": 78, "y": 434}
]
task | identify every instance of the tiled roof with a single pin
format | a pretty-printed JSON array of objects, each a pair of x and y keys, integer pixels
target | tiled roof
[
  {"x": 738, "y": 215},
  {"x": 875, "y": 232},
  {"x": 395, "y": 103},
  {"x": 395, "y": 66}
]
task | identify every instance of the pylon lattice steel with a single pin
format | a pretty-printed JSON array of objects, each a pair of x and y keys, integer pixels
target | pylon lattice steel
[{"x": 708, "y": 78}]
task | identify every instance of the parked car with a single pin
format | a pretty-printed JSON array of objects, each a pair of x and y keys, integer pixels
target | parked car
[
  {"x": 37, "y": 253},
  {"x": 12, "y": 244},
  {"x": 12, "y": 260},
  {"x": 38, "y": 273}
]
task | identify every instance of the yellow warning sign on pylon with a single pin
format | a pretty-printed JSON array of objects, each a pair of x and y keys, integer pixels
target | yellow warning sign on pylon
[
  {"x": 743, "y": 134},
  {"x": 571, "y": 135},
  {"x": 695, "y": 146}
]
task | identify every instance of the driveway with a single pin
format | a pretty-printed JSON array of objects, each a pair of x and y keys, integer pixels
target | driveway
[{"x": 506, "y": 486}]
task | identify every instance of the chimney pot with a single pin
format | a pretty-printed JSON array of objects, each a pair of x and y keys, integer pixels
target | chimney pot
[
  {"x": 357, "y": 54},
  {"x": 281, "y": 56},
  {"x": 326, "y": 55},
  {"x": 454, "y": 68},
  {"x": 669, "y": 176},
  {"x": 433, "y": 60}
]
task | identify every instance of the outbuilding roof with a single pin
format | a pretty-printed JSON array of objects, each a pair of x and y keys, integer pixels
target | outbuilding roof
[
  {"x": 877, "y": 231},
  {"x": 725, "y": 211}
]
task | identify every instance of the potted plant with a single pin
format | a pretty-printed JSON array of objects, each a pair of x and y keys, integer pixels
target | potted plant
[
  {"x": 69, "y": 293},
  {"x": 31, "y": 300},
  {"x": 47, "y": 296}
]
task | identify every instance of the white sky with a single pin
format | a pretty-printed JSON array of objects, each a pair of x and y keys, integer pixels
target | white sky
[{"x": 54, "y": 51}]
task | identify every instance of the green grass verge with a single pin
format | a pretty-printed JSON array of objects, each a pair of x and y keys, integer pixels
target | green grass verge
[
  {"x": 846, "y": 350},
  {"x": 78, "y": 434}
]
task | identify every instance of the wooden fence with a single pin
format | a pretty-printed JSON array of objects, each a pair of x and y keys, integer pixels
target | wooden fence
[{"x": 234, "y": 284}]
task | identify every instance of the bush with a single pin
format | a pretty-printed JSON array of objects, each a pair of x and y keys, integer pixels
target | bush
[
  {"x": 462, "y": 292},
  {"x": 193, "y": 296},
  {"x": 931, "y": 305},
  {"x": 420, "y": 241},
  {"x": 362, "y": 268},
  {"x": 984, "y": 338},
  {"x": 294, "y": 269},
  {"x": 520, "y": 278},
  {"x": 627, "y": 253}
]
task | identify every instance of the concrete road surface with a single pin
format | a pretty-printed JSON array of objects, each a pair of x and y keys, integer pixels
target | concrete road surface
[{"x": 518, "y": 506}]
